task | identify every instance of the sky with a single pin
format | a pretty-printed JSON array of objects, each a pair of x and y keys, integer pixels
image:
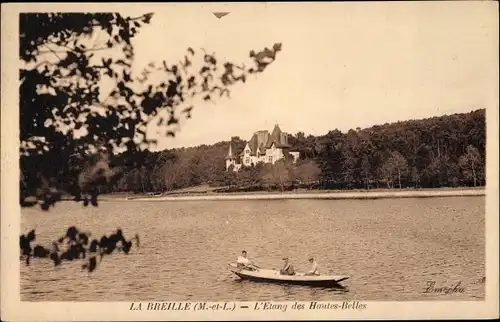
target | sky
[{"x": 343, "y": 65}]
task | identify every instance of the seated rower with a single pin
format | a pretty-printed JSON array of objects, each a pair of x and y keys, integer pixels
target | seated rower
[
  {"x": 244, "y": 262},
  {"x": 288, "y": 268},
  {"x": 314, "y": 268}
]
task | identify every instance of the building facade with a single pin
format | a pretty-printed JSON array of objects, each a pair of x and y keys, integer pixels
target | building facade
[{"x": 263, "y": 147}]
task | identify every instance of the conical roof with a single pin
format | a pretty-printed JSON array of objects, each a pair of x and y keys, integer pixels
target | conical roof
[
  {"x": 230, "y": 153},
  {"x": 276, "y": 137}
]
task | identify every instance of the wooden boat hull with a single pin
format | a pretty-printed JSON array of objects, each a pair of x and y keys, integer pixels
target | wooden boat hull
[{"x": 272, "y": 276}]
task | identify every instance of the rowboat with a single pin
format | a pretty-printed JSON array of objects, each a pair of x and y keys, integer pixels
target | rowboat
[{"x": 274, "y": 276}]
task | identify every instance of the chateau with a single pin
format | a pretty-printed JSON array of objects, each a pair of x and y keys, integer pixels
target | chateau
[{"x": 262, "y": 147}]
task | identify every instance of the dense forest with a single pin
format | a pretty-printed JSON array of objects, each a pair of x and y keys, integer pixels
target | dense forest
[{"x": 445, "y": 151}]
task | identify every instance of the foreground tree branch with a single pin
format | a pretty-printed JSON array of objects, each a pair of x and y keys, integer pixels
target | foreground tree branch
[
  {"x": 77, "y": 247},
  {"x": 69, "y": 127}
]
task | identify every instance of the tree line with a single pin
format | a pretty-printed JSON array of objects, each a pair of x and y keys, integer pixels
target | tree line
[{"x": 445, "y": 151}]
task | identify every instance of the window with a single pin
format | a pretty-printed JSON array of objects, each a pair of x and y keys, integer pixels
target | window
[
  {"x": 247, "y": 160},
  {"x": 270, "y": 159}
]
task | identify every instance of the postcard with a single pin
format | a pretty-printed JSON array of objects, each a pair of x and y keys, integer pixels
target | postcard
[{"x": 249, "y": 161}]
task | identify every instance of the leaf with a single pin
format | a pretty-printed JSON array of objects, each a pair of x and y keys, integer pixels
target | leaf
[
  {"x": 147, "y": 18},
  {"x": 172, "y": 121}
]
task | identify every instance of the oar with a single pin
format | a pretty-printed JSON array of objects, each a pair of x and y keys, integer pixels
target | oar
[
  {"x": 228, "y": 274},
  {"x": 252, "y": 264},
  {"x": 342, "y": 279},
  {"x": 230, "y": 264}
]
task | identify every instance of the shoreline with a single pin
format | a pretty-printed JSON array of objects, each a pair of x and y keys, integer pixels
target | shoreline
[{"x": 330, "y": 195}]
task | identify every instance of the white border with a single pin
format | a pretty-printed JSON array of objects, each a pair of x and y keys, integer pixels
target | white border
[{"x": 14, "y": 310}]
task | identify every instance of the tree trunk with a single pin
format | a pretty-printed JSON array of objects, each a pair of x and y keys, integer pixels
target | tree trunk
[
  {"x": 399, "y": 178},
  {"x": 474, "y": 175}
]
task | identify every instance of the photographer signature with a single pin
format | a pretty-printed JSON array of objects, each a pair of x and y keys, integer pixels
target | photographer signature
[{"x": 454, "y": 288}]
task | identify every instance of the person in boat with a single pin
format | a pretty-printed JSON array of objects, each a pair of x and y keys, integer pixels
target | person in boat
[
  {"x": 314, "y": 267},
  {"x": 244, "y": 262},
  {"x": 287, "y": 268}
]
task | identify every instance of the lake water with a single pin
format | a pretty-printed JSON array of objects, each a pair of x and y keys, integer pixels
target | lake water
[{"x": 390, "y": 248}]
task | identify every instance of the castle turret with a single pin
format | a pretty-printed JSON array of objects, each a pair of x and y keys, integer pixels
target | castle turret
[
  {"x": 230, "y": 153},
  {"x": 230, "y": 159}
]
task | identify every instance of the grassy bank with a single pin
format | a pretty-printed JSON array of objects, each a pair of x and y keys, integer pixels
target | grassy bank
[{"x": 303, "y": 194}]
